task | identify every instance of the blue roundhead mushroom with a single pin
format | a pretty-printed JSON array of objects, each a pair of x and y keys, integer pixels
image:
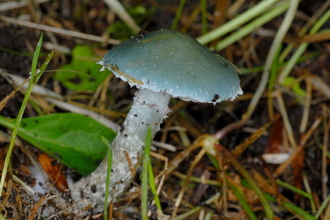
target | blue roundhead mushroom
[{"x": 161, "y": 64}]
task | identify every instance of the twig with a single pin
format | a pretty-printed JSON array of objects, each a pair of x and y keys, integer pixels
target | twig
[
  {"x": 56, "y": 99},
  {"x": 307, "y": 104},
  {"x": 26, "y": 187},
  {"x": 185, "y": 215},
  {"x": 120, "y": 11},
  {"x": 17, "y": 4},
  {"x": 4, "y": 101},
  {"x": 302, "y": 47},
  {"x": 324, "y": 173},
  {"x": 58, "y": 30},
  {"x": 286, "y": 121},
  {"x": 38, "y": 205},
  {"x": 185, "y": 183}
]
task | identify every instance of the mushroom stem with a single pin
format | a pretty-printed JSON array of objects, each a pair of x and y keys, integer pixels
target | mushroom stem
[{"x": 148, "y": 110}]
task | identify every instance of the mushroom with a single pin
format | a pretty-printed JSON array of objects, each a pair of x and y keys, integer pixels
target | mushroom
[{"x": 161, "y": 64}]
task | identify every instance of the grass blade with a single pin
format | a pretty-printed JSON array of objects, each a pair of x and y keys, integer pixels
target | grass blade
[
  {"x": 146, "y": 161},
  {"x": 107, "y": 185},
  {"x": 240, "y": 196},
  {"x": 34, "y": 76},
  {"x": 153, "y": 187},
  {"x": 178, "y": 14},
  {"x": 36, "y": 55},
  {"x": 236, "y": 22}
]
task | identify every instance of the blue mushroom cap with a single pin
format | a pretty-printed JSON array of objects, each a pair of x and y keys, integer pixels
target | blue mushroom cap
[{"x": 173, "y": 62}]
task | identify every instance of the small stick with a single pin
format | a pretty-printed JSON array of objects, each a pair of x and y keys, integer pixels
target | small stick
[
  {"x": 14, "y": 4},
  {"x": 58, "y": 30}
]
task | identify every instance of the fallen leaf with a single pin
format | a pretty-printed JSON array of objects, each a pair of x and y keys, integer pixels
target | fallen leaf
[{"x": 53, "y": 171}]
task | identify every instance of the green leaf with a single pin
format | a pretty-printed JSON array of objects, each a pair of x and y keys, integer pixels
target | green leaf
[
  {"x": 296, "y": 87},
  {"x": 73, "y": 139},
  {"x": 82, "y": 73}
]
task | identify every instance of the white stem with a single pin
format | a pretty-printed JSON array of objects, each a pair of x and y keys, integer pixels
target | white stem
[{"x": 148, "y": 110}]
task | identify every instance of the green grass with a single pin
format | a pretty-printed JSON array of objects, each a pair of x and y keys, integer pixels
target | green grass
[{"x": 34, "y": 77}]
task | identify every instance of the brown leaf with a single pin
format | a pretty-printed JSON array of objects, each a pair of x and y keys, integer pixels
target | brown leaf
[
  {"x": 53, "y": 171},
  {"x": 310, "y": 38},
  {"x": 276, "y": 137}
]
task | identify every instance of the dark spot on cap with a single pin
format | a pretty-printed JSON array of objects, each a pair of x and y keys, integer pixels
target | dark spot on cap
[
  {"x": 225, "y": 65},
  {"x": 215, "y": 98},
  {"x": 143, "y": 33},
  {"x": 114, "y": 67},
  {"x": 93, "y": 188}
]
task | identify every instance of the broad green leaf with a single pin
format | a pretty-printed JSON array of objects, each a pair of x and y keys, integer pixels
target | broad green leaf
[
  {"x": 82, "y": 73},
  {"x": 73, "y": 139}
]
